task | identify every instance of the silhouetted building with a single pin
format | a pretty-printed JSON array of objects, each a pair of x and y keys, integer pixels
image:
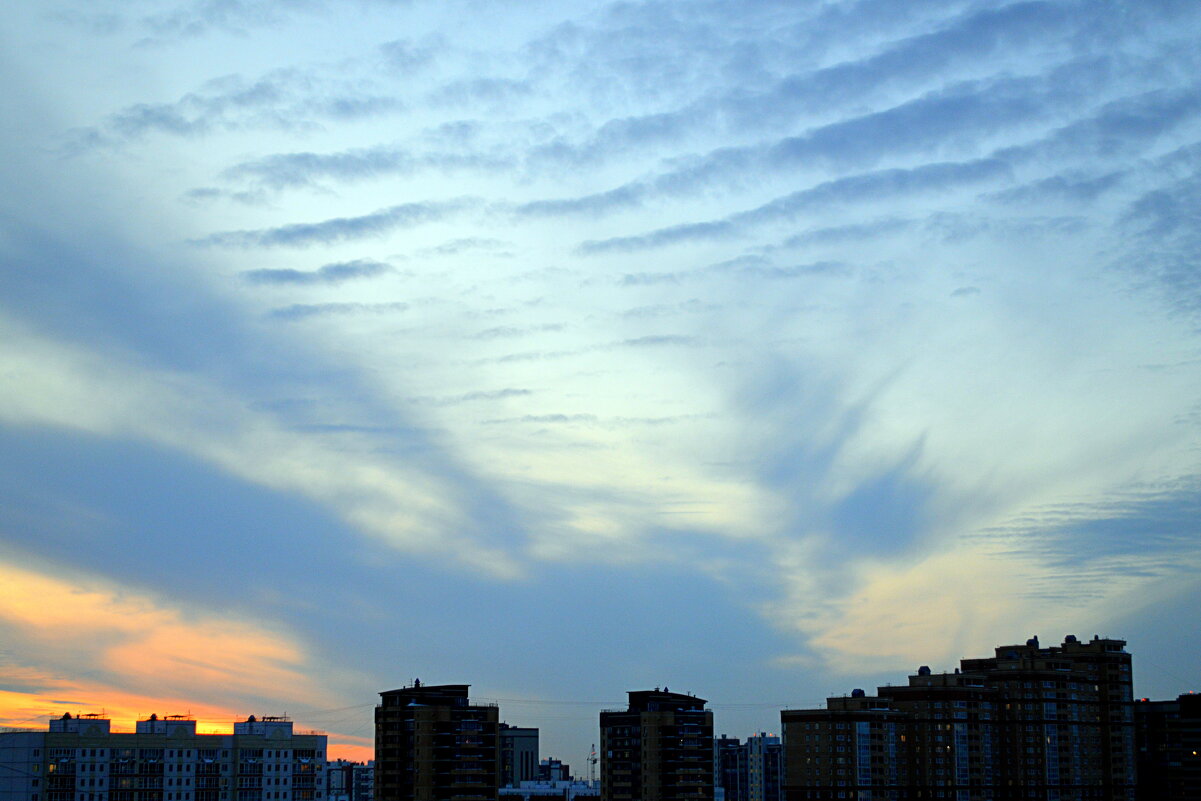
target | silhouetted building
[
  {"x": 1052, "y": 724},
  {"x": 765, "y": 764},
  {"x": 659, "y": 749},
  {"x": 518, "y": 755},
  {"x": 554, "y": 770},
  {"x": 350, "y": 781},
  {"x": 1168, "y": 736},
  {"x": 854, "y": 744},
  {"x": 750, "y": 771},
  {"x": 1065, "y": 719},
  {"x": 81, "y": 759},
  {"x": 731, "y": 774},
  {"x": 433, "y": 744},
  {"x": 949, "y": 735}
]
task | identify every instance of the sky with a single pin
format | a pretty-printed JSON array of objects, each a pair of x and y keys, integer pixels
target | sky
[{"x": 762, "y": 350}]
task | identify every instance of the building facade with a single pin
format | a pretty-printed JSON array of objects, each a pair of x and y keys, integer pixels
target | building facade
[
  {"x": 518, "y": 755},
  {"x": 350, "y": 781},
  {"x": 82, "y": 759},
  {"x": 660, "y": 748},
  {"x": 750, "y": 771},
  {"x": 1030, "y": 723},
  {"x": 1168, "y": 738},
  {"x": 731, "y": 774},
  {"x": 433, "y": 744}
]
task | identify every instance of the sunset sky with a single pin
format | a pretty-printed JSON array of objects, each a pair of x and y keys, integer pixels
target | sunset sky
[{"x": 762, "y": 350}]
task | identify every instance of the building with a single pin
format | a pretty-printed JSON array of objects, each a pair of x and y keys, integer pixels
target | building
[
  {"x": 81, "y": 759},
  {"x": 854, "y": 748},
  {"x": 518, "y": 755},
  {"x": 1065, "y": 719},
  {"x": 765, "y": 764},
  {"x": 554, "y": 770},
  {"x": 1030, "y": 722},
  {"x": 750, "y": 771},
  {"x": 949, "y": 734},
  {"x": 1168, "y": 737},
  {"x": 658, "y": 749},
  {"x": 731, "y": 774},
  {"x": 433, "y": 744},
  {"x": 350, "y": 781}
]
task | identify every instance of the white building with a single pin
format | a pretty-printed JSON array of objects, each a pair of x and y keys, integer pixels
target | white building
[{"x": 82, "y": 759}]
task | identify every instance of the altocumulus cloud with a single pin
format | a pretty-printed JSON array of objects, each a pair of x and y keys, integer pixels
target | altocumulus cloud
[
  {"x": 793, "y": 311},
  {"x": 336, "y": 273},
  {"x": 339, "y": 229}
]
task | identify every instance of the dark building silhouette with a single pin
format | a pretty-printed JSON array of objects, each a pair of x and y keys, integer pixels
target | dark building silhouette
[
  {"x": 433, "y": 744},
  {"x": 731, "y": 771},
  {"x": 750, "y": 771},
  {"x": 553, "y": 770},
  {"x": 855, "y": 744},
  {"x": 1052, "y": 724},
  {"x": 518, "y": 755},
  {"x": 659, "y": 749},
  {"x": 1168, "y": 736}
]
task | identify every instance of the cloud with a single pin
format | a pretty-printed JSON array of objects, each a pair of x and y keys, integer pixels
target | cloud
[
  {"x": 508, "y": 332},
  {"x": 407, "y": 56},
  {"x": 659, "y": 340},
  {"x": 851, "y": 232},
  {"x": 628, "y": 196},
  {"x": 473, "y": 397},
  {"x": 1072, "y": 187},
  {"x": 395, "y": 502},
  {"x": 457, "y": 246},
  {"x": 304, "y": 311},
  {"x": 764, "y": 270},
  {"x": 143, "y": 646},
  {"x": 289, "y": 170},
  {"x": 871, "y": 187},
  {"x": 1118, "y": 129},
  {"x": 471, "y": 92},
  {"x": 336, "y": 273},
  {"x": 341, "y": 229},
  {"x": 285, "y": 99}
]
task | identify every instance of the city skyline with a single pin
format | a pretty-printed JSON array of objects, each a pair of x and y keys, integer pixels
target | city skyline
[{"x": 763, "y": 350}]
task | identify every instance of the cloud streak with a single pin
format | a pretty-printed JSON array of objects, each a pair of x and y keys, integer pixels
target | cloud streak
[{"x": 339, "y": 229}]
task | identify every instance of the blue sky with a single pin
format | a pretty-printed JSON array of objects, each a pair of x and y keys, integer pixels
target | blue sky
[{"x": 762, "y": 350}]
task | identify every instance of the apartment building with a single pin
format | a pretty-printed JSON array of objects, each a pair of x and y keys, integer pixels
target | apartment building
[
  {"x": 433, "y": 744},
  {"x": 80, "y": 758},
  {"x": 660, "y": 748}
]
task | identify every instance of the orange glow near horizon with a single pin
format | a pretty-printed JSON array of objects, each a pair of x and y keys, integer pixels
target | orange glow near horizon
[
  {"x": 351, "y": 753},
  {"x": 35, "y": 710},
  {"x": 90, "y": 646}
]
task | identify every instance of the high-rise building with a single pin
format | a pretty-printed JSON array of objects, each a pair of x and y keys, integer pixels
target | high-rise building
[
  {"x": 949, "y": 735},
  {"x": 1168, "y": 735},
  {"x": 851, "y": 749},
  {"x": 750, "y": 771},
  {"x": 81, "y": 759},
  {"x": 1052, "y": 724},
  {"x": 658, "y": 749},
  {"x": 765, "y": 764},
  {"x": 1065, "y": 719},
  {"x": 350, "y": 781},
  {"x": 731, "y": 773},
  {"x": 518, "y": 755},
  {"x": 433, "y": 744}
]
